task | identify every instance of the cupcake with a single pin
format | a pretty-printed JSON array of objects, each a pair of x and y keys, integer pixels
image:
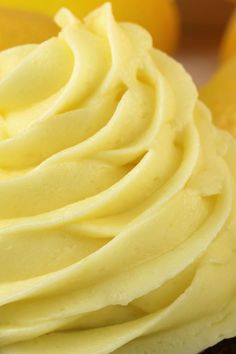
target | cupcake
[{"x": 118, "y": 198}]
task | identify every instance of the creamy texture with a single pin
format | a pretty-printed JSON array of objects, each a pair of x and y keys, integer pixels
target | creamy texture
[{"x": 117, "y": 207}]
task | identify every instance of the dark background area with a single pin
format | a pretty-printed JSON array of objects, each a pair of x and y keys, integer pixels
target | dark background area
[
  {"x": 203, "y": 25},
  {"x": 205, "y": 16},
  {"x": 225, "y": 347}
]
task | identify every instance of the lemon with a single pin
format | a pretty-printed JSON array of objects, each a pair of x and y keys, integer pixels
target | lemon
[
  {"x": 19, "y": 27},
  {"x": 220, "y": 96},
  {"x": 229, "y": 41},
  {"x": 160, "y": 17}
]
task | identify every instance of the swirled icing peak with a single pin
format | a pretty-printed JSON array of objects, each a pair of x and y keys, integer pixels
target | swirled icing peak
[{"x": 117, "y": 199}]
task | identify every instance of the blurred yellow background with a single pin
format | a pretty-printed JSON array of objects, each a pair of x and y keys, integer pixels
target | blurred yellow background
[
  {"x": 159, "y": 17},
  {"x": 203, "y": 23}
]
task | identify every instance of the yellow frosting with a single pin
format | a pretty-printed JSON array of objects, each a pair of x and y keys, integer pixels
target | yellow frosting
[{"x": 117, "y": 199}]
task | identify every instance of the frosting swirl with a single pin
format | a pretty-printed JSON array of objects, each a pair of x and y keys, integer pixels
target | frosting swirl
[{"x": 117, "y": 208}]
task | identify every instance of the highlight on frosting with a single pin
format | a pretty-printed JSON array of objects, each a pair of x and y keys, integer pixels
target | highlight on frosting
[{"x": 117, "y": 199}]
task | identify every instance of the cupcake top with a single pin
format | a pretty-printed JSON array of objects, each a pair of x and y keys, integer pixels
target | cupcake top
[{"x": 117, "y": 198}]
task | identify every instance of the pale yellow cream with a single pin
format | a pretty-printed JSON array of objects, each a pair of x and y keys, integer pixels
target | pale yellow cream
[{"x": 117, "y": 199}]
